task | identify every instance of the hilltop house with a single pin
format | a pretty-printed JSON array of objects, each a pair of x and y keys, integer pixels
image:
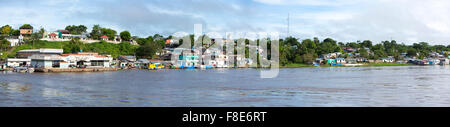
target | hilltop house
[
  {"x": 26, "y": 31},
  {"x": 104, "y": 38},
  {"x": 15, "y": 40}
]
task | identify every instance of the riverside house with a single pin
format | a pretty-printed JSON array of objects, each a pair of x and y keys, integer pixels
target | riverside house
[
  {"x": 17, "y": 62},
  {"x": 127, "y": 61},
  {"x": 80, "y": 60},
  {"x": 23, "y": 56}
]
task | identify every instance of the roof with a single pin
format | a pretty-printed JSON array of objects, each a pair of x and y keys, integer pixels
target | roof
[
  {"x": 17, "y": 60},
  {"x": 64, "y": 31},
  {"x": 143, "y": 61},
  {"x": 104, "y": 36},
  {"x": 60, "y": 51},
  {"x": 52, "y": 34}
]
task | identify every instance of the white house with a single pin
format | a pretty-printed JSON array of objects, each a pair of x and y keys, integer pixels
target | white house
[
  {"x": 340, "y": 61},
  {"x": 89, "y": 60},
  {"x": 388, "y": 59},
  {"x": 17, "y": 62}
]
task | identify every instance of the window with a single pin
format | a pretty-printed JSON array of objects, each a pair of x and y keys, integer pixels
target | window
[
  {"x": 97, "y": 63},
  {"x": 55, "y": 63}
]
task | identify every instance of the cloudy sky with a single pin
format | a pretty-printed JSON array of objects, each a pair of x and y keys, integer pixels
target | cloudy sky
[{"x": 406, "y": 21}]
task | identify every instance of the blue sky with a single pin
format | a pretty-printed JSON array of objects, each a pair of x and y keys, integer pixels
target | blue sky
[{"x": 406, "y": 21}]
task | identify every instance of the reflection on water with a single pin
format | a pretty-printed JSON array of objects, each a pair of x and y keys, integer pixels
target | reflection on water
[{"x": 340, "y": 86}]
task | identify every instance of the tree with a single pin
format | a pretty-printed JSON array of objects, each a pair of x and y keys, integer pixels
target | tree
[
  {"x": 363, "y": 53},
  {"x": 6, "y": 30},
  {"x": 76, "y": 29},
  {"x": 15, "y": 32},
  {"x": 147, "y": 50},
  {"x": 4, "y": 44},
  {"x": 26, "y": 26},
  {"x": 96, "y": 32},
  {"x": 412, "y": 52},
  {"x": 366, "y": 44},
  {"x": 125, "y": 35}
]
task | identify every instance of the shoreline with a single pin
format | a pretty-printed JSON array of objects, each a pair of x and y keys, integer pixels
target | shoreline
[{"x": 73, "y": 70}]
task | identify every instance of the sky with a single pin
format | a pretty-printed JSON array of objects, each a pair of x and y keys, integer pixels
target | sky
[{"x": 406, "y": 21}]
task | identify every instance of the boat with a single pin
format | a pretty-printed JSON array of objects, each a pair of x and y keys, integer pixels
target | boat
[
  {"x": 24, "y": 70},
  {"x": 206, "y": 66},
  {"x": 190, "y": 67},
  {"x": 155, "y": 66}
]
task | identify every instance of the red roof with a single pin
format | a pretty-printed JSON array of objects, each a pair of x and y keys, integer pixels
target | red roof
[
  {"x": 52, "y": 34},
  {"x": 104, "y": 36}
]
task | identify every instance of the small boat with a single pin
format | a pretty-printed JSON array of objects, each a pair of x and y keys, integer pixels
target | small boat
[
  {"x": 190, "y": 67},
  {"x": 155, "y": 66},
  {"x": 206, "y": 66}
]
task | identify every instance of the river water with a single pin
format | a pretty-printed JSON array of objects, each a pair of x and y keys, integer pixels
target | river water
[{"x": 323, "y": 87}]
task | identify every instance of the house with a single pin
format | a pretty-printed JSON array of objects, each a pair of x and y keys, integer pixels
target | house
[
  {"x": 319, "y": 60},
  {"x": 351, "y": 60},
  {"x": 434, "y": 61},
  {"x": 238, "y": 61},
  {"x": 17, "y": 62},
  {"x": 444, "y": 61},
  {"x": 26, "y": 31},
  {"x": 221, "y": 61},
  {"x": 53, "y": 36},
  {"x": 404, "y": 54},
  {"x": 340, "y": 61},
  {"x": 361, "y": 60},
  {"x": 376, "y": 61},
  {"x": 104, "y": 38},
  {"x": 331, "y": 61},
  {"x": 29, "y": 52},
  {"x": 15, "y": 40},
  {"x": 83, "y": 36},
  {"x": 188, "y": 61},
  {"x": 81, "y": 60},
  {"x": 142, "y": 63},
  {"x": 389, "y": 59},
  {"x": 127, "y": 61}
]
